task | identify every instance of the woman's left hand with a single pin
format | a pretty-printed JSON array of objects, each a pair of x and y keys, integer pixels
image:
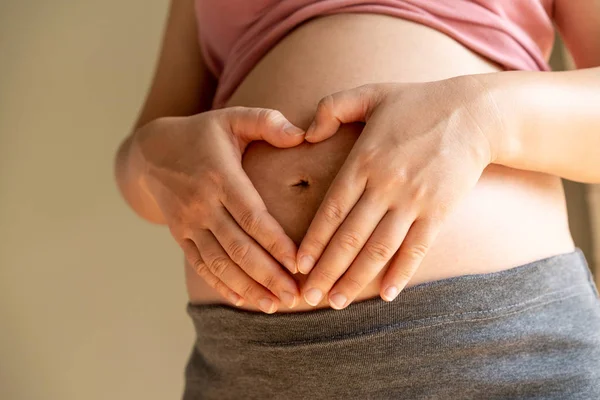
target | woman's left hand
[{"x": 423, "y": 148}]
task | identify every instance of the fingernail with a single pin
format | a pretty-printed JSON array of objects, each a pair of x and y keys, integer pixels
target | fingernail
[
  {"x": 305, "y": 264},
  {"x": 290, "y": 264},
  {"x": 390, "y": 293},
  {"x": 235, "y": 299},
  {"x": 289, "y": 299},
  {"x": 267, "y": 305},
  {"x": 338, "y": 301},
  {"x": 292, "y": 129},
  {"x": 313, "y": 296}
]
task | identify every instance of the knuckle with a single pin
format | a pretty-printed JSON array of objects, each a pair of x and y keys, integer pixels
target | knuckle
[
  {"x": 193, "y": 223},
  {"x": 402, "y": 276},
  {"x": 350, "y": 240},
  {"x": 333, "y": 212},
  {"x": 209, "y": 278},
  {"x": 231, "y": 110},
  {"x": 202, "y": 218},
  {"x": 271, "y": 117},
  {"x": 219, "y": 266},
  {"x": 354, "y": 285},
  {"x": 273, "y": 245},
  {"x": 221, "y": 287},
  {"x": 208, "y": 253},
  {"x": 325, "y": 275},
  {"x": 399, "y": 175},
  {"x": 325, "y": 105},
  {"x": 416, "y": 251},
  {"x": 365, "y": 89},
  {"x": 268, "y": 281},
  {"x": 384, "y": 189},
  {"x": 313, "y": 245},
  {"x": 199, "y": 266},
  {"x": 248, "y": 291},
  {"x": 202, "y": 271},
  {"x": 187, "y": 219},
  {"x": 238, "y": 251},
  {"x": 378, "y": 251},
  {"x": 372, "y": 89},
  {"x": 250, "y": 220},
  {"x": 365, "y": 96},
  {"x": 276, "y": 249}
]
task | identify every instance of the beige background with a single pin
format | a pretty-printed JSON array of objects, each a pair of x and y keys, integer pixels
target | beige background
[{"x": 91, "y": 297}]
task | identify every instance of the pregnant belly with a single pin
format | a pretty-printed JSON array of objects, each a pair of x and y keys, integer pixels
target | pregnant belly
[{"x": 511, "y": 217}]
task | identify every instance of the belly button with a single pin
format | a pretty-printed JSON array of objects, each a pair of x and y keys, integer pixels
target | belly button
[{"x": 302, "y": 183}]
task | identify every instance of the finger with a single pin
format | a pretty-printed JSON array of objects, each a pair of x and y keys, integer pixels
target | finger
[
  {"x": 221, "y": 266},
  {"x": 347, "y": 106},
  {"x": 409, "y": 256},
  {"x": 253, "y": 259},
  {"x": 344, "y": 192},
  {"x": 190, "y": 250},
  {"x": 250, "y": 124},
  {"x": 379, "y": 249},
  {"x": 246, "y": 206},
  {"x": 345, "y": 245}
]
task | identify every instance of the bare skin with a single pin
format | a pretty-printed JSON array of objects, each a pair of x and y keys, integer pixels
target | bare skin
[
  {"x": 485, "y": 233},
  {"x": 508, "y": 218}
]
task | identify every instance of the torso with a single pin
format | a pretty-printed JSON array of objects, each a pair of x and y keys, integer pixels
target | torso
[{"x": 512, "y": 217}]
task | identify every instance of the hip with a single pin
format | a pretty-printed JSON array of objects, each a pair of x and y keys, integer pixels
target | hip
[{"x": 532, "y": 331}]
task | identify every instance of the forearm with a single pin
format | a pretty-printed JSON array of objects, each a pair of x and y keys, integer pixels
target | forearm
[
  {"x": 549, "y": 121},
  {"x": 182, "y": 86}
]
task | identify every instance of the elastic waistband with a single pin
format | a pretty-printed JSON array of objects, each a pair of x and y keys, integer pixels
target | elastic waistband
[{"x": 466, "y": 296}]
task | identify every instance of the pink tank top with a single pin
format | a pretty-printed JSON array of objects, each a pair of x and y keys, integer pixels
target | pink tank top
[{"x": 236, "y": 34}]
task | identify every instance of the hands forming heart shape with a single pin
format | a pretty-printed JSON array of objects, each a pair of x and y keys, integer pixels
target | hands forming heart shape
[{"x": 423, "y": 148}]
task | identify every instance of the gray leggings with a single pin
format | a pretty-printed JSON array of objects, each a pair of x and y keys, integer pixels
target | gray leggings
[{"x": 527, "y": 332}]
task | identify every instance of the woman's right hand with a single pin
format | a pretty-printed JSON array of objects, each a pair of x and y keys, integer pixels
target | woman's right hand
[{"x": 193, "y": 171}]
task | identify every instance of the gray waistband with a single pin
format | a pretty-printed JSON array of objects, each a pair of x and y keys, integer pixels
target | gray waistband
[{"x": 467, "y": 296}]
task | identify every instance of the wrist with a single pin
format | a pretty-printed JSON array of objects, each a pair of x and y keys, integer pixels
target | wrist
[
  {"x": 131, "y": 174},
  {"x": 151, "y": 145},
  {"x": 504, "y": 106}
]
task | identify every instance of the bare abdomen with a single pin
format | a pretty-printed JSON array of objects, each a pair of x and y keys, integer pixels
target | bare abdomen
[{"x": 512, "y": 217}]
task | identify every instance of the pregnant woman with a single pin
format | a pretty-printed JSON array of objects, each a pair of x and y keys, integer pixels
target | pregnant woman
[{"x": 368, "y": 195}]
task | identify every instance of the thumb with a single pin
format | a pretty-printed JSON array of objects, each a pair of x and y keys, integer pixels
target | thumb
[
  {"x": 354, "y": 105},
  {"x": 249, "y": 124}
]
